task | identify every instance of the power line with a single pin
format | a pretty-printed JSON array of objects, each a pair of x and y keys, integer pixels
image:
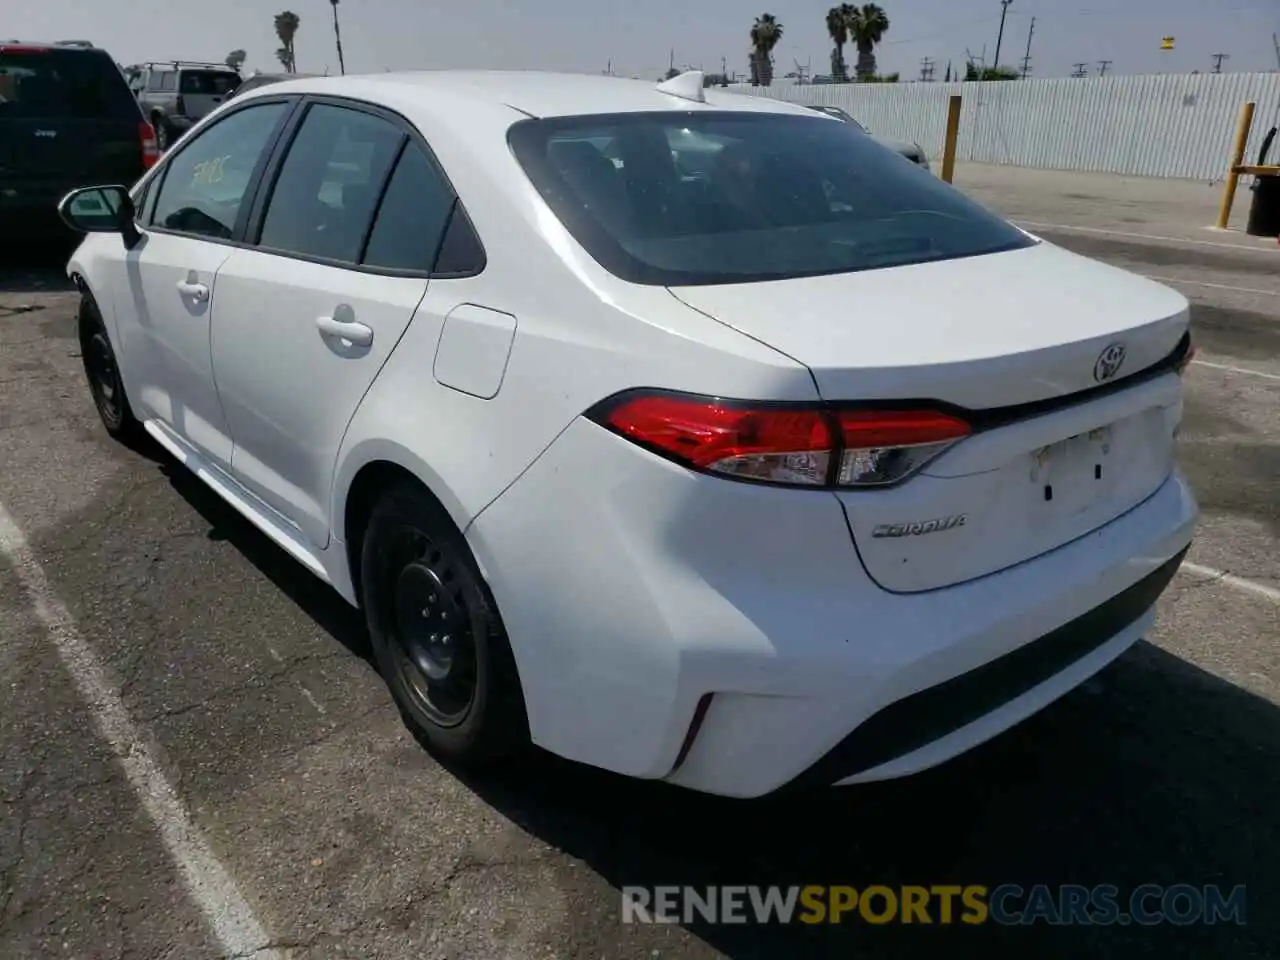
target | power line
[
  {"x": 1080, "y": 70},
  {"x": 927, "y": 67},
  {"x": 1217, "y": 60},
  {"x": 1026, "y": 59},
  {"x": 1004, "y": 10},
  {"x": 1102, "y": 67}
]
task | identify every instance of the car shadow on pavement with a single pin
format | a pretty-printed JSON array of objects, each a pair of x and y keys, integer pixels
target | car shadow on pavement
[
  {"x": 319, "y": 601},
  {"x": 39, "y": 268},
  {"x": 1157, "y": 772}
]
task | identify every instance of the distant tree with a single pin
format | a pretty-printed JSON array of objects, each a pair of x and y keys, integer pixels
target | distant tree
[
  {"x": 672, "y": 72},
  {"x": 839, "y": 20},
  {"x": 286, "y": 24},
  {"x": 235, "y": 59},
  {"x": 867, "y": 26},
  {"x": 973, "y": 72},
  {"x": 765, "y": 34}
]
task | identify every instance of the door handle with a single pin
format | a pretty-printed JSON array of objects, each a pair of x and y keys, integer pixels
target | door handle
[
  {"x": 196, "y": 291},
  {"x": 350, "y": 330}
]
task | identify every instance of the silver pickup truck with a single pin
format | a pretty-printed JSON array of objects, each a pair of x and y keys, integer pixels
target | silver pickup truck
[{"x": 175, "y": 94}]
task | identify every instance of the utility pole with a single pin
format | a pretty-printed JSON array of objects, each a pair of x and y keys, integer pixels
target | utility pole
[
  {"x": 1217, "y": 60},
  {"x": 1004, "y": 9},
  {"x": 1080, "y": 70},
  {"x": 926, "y": 69},
  {"x": 1102, "y": 67},
  {"x": 1275, "y": 42},
  {"x": 1026, "y": 59}
]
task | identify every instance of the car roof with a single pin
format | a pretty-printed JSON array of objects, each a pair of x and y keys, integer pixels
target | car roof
[{"x": 531, "y": 93}]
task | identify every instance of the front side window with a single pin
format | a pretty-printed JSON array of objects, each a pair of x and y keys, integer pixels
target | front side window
[
  {"x": 688, "y": 198},
  {"x": 205, "y": 184},
  {"x": 329, "y": 184}
]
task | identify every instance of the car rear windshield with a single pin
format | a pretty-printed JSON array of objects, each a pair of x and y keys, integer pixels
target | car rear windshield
[
  {"x": 217, "y": 83},
  {"x": 711, "y": 197},
  {"x": 49, "y": 84}
]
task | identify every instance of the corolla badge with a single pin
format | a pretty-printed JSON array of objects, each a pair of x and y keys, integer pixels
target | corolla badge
[{"x": 1109, "y": 362}]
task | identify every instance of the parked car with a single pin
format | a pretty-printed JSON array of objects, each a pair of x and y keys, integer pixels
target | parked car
[
  {"x": 803, "y": 469},
  {"x": 66, "y": 120},
  {"x": 178, "y": 93},
  {"x": 257, "y": 80},
  {"x": 912, "y": 151}
]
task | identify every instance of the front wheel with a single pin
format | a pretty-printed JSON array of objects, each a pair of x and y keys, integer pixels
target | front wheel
[
  {"x": 435, "y": 631},
  {"x": 103, "y": 374}
]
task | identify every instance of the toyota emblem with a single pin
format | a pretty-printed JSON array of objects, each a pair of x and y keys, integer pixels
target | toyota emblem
[{"x": 1109, "y": 362}]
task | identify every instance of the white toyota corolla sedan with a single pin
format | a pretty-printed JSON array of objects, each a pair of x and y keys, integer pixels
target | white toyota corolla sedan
[{"x": 690, "y": 435}]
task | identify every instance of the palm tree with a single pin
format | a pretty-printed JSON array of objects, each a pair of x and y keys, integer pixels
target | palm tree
[
  {"x": 337, "y": 36},
  {"x": 287, "y": 24},
  {"x": 867, "y": 26},
  {"x": 765, "y": 34},
  {"x": 838, "y": 19}
]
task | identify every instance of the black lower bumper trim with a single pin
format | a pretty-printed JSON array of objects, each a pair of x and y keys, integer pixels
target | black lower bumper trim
[{"x": 921, "y": 718}]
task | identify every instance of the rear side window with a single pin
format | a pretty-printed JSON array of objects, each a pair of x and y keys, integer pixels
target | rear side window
[
  {"x": 48, "y": 84},
  {"x": 217, "y": 83},
  {"x": 412, "y": 217},
  {"x": 689, "y": 198},
  {"x": 329, "y": 184}
]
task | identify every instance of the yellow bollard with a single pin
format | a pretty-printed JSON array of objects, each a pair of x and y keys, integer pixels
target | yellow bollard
[
  {"x": 949, "y": 144},
  {"x": 1237, "y": 158}
]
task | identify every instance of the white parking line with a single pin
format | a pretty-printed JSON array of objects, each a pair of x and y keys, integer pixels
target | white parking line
[
  {"x": 1215, "y": 286},
  {"x": 1231, "y": 580},
  {"x": 229, "y": 915},
  {"x": 1035, "y": 224},
  {"x": 1231, "y": 369}
]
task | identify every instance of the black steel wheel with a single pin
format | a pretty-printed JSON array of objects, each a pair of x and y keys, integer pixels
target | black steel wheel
[
  {"x": 435, "y": 631},
  {"x": 103, "y": 373}
]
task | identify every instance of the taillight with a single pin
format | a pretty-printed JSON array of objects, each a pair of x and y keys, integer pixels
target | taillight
[
  {"x": 150, "y": 149},
  {"x": 782, "y": 443},
  {"x": 22, "y": 48}
]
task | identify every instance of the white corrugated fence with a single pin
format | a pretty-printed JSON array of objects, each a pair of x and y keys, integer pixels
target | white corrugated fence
[{"x": 1160, "y": 125}]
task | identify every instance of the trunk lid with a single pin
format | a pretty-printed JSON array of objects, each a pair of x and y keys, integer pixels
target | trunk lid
[{"x": 1012, "y": 337}]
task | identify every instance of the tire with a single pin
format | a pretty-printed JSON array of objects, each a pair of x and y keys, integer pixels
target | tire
[
  {"x": 460, "y": 695},
  {"x": 164, "y": 136},
  {"x": 103, "y": 375}
]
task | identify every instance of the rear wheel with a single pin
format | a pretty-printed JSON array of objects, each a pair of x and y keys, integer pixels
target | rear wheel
[
  {"x": 163, "y": 135},
  {"x": 103, "y": 373},
  {"x": 436, "y": 633}
]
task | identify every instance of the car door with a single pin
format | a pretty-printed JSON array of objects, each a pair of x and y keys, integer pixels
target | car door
[
  {"x": 307, "y": 318},
  {"x": 165, "y": 304}
]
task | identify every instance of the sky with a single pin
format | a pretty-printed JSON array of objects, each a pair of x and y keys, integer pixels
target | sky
[{"x": 639, "y": 38}]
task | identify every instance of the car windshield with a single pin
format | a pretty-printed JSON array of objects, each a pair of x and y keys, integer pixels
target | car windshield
[
  {"x": 216, "y": 82},
  {"x": 49, "y": 84},
  {"x": 678, "y": 198}
]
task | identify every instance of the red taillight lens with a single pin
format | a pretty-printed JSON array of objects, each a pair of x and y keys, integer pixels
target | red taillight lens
[
  {"x": 22, "y": 48},
  {"x": 147, "y": 138},
  {"x": 776, "y": 443}
]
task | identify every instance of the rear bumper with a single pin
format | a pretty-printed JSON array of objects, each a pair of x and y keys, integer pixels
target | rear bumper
[{"x": 632, "y": 589}]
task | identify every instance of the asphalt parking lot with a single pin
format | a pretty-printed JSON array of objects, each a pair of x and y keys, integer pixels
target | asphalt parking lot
[{"x": 197, "y": 759}]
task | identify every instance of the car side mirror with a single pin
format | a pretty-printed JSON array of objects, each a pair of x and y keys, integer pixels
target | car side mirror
[{"x": 106, "y": 209}]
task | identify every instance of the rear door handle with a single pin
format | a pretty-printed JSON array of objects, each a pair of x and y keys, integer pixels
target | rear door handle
[
  {"x": 349, "y": 330},
  {"x": 196, "y": 291}
]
